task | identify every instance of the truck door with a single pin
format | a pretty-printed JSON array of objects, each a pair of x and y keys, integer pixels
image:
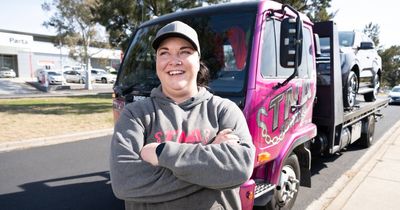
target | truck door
[{"x": 282, "y": 112}]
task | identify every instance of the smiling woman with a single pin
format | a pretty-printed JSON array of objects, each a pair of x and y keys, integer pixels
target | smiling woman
[{"x": 177, "y": 67}]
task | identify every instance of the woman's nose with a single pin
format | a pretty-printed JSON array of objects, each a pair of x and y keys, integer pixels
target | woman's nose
[{"x": 176, "y": 61}]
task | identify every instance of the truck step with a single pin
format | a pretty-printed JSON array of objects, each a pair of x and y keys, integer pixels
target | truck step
[{"x": 262, "y": 188}]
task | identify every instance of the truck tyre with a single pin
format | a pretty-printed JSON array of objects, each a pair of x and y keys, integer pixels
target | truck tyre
[
  {"x": 368, "y": 130},
  {"x": 350, "y": 90},
  {"x": 288, "y": 187},
  {"x": 371, "y": 96}
]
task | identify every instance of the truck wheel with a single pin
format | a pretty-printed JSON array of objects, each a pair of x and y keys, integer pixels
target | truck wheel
[
  {"x": 288, "y": 187},
  {"x": 371, "y": 96},
  {"x": 350, "y": 90},
  {"x": 368, "y": 130}
]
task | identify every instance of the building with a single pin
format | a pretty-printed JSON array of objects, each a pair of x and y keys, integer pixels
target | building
[{"x": 27, "y": 52}]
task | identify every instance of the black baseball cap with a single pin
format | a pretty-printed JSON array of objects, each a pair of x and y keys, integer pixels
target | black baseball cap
[{"x": 177, "y": 29}]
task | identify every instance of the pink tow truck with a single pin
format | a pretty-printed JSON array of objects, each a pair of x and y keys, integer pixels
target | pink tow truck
[{"x": 265, "y": 57}]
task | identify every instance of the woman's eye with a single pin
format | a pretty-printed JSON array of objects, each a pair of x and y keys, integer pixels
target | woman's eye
[
  {"x": 163, "y": 53},
  {"x": 186, "y": 52}
]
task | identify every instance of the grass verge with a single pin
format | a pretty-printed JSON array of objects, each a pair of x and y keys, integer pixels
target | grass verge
[{"x": 28, "y": 118}]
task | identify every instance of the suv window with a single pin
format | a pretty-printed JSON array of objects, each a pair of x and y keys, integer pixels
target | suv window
[
  {"x": 346, "y": 39},
  {"x": 225, "y": 40}
]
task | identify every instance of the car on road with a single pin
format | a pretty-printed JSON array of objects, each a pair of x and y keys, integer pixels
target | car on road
[
  {"x": 394, "y": 95},
  {"x": 103, "y": 76},
  {"x": 7, "y": 72}
]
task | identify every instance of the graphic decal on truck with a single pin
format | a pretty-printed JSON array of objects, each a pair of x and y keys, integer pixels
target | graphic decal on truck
[{"x": 295, "y": 110}]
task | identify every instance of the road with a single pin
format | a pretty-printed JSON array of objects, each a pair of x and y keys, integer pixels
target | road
[
  {"x": 65, "y": 176},
  {"x": 75, "y": 175}
]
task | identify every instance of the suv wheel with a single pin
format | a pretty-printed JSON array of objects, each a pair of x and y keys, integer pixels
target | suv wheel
[
  {"x": 371, "y": 96},
  {"x": 350, "y": 90}
]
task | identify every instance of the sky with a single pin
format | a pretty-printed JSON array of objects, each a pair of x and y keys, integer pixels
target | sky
[
  {"x": 28, "y": 16},
  {"x": 355, "y": 14}
]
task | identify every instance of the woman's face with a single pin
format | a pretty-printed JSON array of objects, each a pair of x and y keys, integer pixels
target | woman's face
[{"x": 177, "y": 66}]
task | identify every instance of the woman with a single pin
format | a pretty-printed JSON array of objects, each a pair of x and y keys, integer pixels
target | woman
[{"x": 182, "y": 148}]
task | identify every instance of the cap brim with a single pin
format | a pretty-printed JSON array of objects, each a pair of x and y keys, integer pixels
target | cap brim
[{"x": 160, "y": 39}]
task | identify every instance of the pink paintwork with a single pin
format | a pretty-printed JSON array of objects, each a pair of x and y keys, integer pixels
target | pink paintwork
[{"x": 275, "y": 125}]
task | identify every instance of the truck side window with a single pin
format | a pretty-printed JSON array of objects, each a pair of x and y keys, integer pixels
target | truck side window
[
  {"x": 270, "y": 67},
  {"x": 268, "y": 50},
  {"x": 308, "y": 52}
]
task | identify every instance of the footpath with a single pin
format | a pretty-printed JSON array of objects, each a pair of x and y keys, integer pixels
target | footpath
[{"x": 372, "y": 183}]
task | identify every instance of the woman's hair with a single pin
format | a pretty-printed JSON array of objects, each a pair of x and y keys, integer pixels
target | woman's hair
[{"x": 203, "y": 75}]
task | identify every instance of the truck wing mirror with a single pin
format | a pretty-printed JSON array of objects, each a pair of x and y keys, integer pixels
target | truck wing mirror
[{"x": 291, "y": 43}]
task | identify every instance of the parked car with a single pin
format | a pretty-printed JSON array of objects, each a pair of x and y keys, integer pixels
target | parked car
[
  {"x": 7, "y": 72},
  {"x": 74, "y": 76},
  {"x": 394, "y": 95},
  {"x": 54, "y": 77},
  {"x": 360, "y": 64},
  {"x": 103, "y": 76}
]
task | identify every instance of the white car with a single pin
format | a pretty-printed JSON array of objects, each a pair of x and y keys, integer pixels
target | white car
[
  {"x": 7, "y": 72},
  {"x": 74, "y": 76},
  {"x": 366, "y": 65},
  {"x": 394, "y": 95},
  {"x": 102, "y": 76},
  {"x": 54, "y": 77}
]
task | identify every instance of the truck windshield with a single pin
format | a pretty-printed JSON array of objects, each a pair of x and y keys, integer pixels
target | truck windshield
[{"x": 225, "y": 42}]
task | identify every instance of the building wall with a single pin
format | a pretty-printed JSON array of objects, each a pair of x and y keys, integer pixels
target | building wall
[
  {"x": 24, "y": 64},
  {"x": 25, "y": 55}
]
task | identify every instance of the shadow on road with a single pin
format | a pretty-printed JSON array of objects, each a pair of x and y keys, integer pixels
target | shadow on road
[{"x": 81, "y": 192}]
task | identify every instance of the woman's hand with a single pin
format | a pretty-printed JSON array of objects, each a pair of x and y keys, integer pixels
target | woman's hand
[
  {"x": 148, "y": 153},
  {"x": 226, "y": 136}
]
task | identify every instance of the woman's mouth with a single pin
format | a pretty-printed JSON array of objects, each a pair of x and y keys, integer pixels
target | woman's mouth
[{"x": 175, "y": 72}]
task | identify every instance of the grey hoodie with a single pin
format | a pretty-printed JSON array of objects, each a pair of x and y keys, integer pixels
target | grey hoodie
[{"x": 192, "y": 172}]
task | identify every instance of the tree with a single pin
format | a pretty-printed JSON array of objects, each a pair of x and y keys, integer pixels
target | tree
[
  {"x": 122, "y": 17},
  {"x": 391, "y": 65},
  {"x": 75, "y": 26},
  {"x": 316, "y": 10},
  {"x": 372, "y": 31}
]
